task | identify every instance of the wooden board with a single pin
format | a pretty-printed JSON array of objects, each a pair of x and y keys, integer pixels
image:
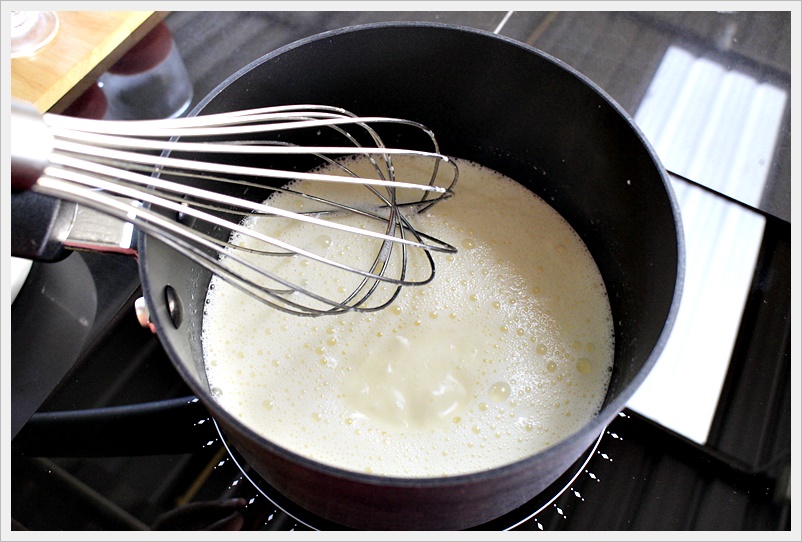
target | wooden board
[{"x": 87, "y": 43}]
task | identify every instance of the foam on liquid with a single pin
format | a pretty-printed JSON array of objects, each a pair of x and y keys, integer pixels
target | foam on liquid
[{"x": 508, "y": 350}]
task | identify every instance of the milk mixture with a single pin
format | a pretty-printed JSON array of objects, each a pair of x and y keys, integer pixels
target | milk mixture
[{"x": 506, "y": 352}]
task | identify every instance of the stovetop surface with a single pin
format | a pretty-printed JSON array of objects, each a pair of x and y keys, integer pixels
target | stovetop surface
[{"x": 646, "y": 472}]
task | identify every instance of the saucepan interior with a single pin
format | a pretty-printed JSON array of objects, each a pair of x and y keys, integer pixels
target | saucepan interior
[{"x": 513, "y": 109}]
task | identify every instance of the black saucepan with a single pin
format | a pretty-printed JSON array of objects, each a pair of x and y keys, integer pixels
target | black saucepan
[{"x": 509, "y": 107}]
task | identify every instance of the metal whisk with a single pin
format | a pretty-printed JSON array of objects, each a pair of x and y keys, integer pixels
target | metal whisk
[{"x": 198, "y": 183}]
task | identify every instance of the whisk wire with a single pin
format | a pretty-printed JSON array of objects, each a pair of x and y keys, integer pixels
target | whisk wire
[
  {"x": 187, "y": 242},
  {"x": 129, "y": 170},
  {"x": 147, "y": 188}
]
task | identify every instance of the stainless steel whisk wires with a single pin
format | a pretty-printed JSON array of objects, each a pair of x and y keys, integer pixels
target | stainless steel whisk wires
[{"x": 183, "y": 182}]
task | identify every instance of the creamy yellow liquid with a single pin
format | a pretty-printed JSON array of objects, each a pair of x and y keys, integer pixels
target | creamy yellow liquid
[{"x": 508, "y": 350}]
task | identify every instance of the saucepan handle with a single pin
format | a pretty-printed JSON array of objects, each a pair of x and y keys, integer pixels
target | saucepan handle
[
  {"x": 40, "y": 225},
  {"x": 160, "y": 427},
  {"x": 47, "y": 229}
]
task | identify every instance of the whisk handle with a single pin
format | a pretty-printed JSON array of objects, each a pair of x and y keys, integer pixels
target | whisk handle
[
  {"x": 31, "y": 145},
  {"x": 39, "y": 223}
]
